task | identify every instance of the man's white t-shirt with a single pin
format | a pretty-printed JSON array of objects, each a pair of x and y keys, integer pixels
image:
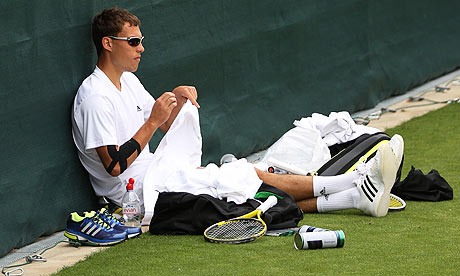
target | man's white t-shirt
[{"x": 102, "y": 115}]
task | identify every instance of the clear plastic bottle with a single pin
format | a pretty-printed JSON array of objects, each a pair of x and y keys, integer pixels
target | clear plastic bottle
[
  {"x": 131, "y": 206},
  {"x": 227, "y": 158}
]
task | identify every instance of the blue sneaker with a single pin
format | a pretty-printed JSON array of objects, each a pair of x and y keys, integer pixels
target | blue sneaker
[
  {"x": 111, "y": 220},
  {"x": 92, "y": 231}
]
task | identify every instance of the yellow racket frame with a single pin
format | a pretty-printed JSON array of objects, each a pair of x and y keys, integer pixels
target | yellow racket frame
[{"x": 270, "y": 202}]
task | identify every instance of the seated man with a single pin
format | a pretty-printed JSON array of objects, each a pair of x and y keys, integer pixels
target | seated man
[{"x": 114, "y": 117}]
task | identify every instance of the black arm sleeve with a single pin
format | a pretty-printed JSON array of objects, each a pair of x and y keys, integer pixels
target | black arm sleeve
[{"x": 122, "y": 154}]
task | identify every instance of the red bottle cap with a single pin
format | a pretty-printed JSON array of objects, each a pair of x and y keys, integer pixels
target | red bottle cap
[{"x": 130, "y": 184}]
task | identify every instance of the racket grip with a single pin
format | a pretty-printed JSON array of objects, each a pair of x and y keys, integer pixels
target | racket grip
[{"x": 270, "y": 202}]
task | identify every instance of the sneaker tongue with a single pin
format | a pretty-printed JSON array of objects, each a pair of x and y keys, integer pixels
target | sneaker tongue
[
  {"x": 90, "y": 214},
  {"x": 76, "y": 217},
  {"x": 361, "y": 168}
]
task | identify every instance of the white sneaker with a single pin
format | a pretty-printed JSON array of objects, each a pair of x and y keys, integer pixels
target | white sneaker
[
  {"x": 397, "y": 145},
  {"x": 378, "y": 178}
]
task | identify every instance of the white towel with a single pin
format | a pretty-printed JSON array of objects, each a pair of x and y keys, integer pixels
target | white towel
[
  {"x": 336, "y": 128},
  {"x": 176, "y": 162}
]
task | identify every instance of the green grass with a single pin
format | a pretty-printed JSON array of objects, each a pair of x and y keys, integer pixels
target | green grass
[{"x": 421, "y": 240}]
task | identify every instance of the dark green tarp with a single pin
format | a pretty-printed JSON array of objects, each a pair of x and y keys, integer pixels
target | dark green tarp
[{"x": 257, "y": 65}]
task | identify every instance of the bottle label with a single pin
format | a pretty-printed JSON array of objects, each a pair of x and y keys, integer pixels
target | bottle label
[{"x": 131, "y": 210}]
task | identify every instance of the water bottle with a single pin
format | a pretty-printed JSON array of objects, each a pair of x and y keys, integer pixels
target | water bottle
[
  {"x": 227, "y": 158},
  {"x": 131, "y": 206}
]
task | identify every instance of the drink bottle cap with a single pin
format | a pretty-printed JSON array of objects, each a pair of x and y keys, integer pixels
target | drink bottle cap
[{"x": 130, "y": 184}]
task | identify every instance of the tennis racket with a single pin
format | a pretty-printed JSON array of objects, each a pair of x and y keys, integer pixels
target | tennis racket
[
  {"x": 396, "y": 203},
  {"x": 242, "y": 229}
]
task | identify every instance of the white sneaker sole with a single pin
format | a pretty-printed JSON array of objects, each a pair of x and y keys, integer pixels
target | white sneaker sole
[
  {"x": 389, "y": 168},
  {"x": 130, "y": 236},
  {"x": 397, "y": 145}
]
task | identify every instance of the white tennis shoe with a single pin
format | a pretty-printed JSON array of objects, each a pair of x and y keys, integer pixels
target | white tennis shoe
[
  {"x": 397, "y": 145},
  {"x": 378, "y": 177}
]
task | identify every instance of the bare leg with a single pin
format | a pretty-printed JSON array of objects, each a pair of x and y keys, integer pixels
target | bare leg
[
  {"x": 300, "y": 187},
  {"x": 308, "y": 205}
]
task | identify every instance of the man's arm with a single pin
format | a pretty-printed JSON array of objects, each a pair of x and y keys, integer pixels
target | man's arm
[
  {"x": 117, "y": 158},
  {"x": 183, "y": 93}
]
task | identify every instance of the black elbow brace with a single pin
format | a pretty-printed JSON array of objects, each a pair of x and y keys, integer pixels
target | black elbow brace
[{"x": 122, "y": 154}]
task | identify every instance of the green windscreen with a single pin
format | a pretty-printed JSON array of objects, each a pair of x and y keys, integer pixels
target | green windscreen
[{"x": 257, "y": 65}]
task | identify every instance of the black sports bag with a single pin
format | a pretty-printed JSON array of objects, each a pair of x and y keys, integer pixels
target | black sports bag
[
  {"x": 179, "y": 213},
  {"x": 347, "y": 155}
]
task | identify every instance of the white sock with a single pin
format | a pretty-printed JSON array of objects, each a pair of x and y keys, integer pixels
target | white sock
[
  {"x": 326, "y": 185},
  {"x": 343, "y": 200}
]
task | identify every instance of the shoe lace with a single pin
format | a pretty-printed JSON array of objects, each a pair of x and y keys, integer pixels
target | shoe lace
[
  {"x": 102, "y": 223},
  {"x": 107, "y": 217},
  {"x": 361, "y": 169}
]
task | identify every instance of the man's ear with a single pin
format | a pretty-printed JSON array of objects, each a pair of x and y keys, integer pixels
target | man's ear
[{"x": 107, "y": 43}]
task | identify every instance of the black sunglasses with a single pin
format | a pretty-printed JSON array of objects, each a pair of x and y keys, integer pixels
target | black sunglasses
[{"x": 132, "y": 40}]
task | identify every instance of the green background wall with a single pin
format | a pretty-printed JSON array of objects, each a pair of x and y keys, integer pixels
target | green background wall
[{"x": 257, "y": 65}]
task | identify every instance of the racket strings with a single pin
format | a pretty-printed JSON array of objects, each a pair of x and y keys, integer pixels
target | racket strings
[
  {"x": 236, "y": 229},
  {"x": 394, "y": 202}
]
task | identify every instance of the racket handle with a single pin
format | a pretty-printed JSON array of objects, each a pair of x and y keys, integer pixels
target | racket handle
[{"x": 269, "y": 203}]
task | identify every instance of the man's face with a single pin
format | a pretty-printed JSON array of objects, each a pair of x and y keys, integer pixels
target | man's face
[{"x": 125, "y": 56}]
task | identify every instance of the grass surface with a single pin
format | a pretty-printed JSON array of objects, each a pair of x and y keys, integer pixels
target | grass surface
[{"x": 421, "y": 240}]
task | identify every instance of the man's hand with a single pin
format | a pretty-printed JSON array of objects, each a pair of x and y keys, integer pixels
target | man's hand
[
  {"x": 186, "y": 92},
  {"x": 181, "y": 95},
  {"x": 161, "y": 110}
]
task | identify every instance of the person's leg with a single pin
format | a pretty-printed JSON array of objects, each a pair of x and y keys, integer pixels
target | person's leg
[
  {"x": 380, "y": 175},
  {"x": 348, "y": 199},
  {"x": 302, "y": 187},
  {"x": 343, "y": 200},
  {"x": 298, "y": 186},
  {"x": 308, "y": 205},
  {"x": 372, "y": 183},
  {"x": 326, "y": 185}
]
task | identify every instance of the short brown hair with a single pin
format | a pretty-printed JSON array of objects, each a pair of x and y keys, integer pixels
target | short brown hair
[{"x": 111, "y": 22}]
